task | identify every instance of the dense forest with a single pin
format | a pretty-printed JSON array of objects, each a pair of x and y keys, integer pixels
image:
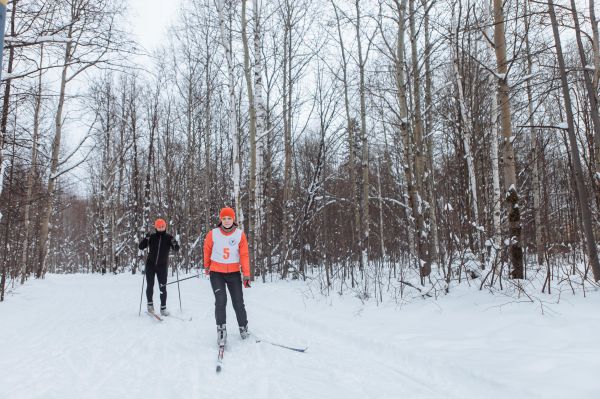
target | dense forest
[{"x": 374, "y": 147}]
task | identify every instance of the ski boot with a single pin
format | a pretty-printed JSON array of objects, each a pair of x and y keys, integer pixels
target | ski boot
[
  {"x": 244, "y": 332},
  {"x": 221, "y": 334},
  {"x": 150, "y": 307},
  {"x": 164, "y": 311}
]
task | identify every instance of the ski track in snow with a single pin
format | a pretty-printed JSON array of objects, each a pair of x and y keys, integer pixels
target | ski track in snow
[{"x": 79, "y": 336}]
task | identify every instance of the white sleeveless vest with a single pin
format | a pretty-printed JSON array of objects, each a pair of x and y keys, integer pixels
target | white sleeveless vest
[{"x": 226, "y": 249}]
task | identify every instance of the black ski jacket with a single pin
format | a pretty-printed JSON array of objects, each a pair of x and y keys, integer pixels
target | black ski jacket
[{"x": 160, "y": 243}]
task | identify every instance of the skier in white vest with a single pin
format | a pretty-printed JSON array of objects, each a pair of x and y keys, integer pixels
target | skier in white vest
[{"x": 225, "y": 253}]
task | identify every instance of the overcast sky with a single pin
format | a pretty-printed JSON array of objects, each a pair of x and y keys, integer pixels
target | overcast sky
[{"x": 149, "y": 20}]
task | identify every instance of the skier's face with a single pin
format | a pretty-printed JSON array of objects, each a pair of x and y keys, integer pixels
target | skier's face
[
  {"x": 161, "y": 229},
  {"x": 227, "y": 222}
]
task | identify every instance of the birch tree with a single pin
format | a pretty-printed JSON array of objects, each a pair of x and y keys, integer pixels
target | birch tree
[
  {"x": 252, "y": 128},
  {"x": 260, "y": 132},
  {"x": 233, "y": 125},
  {"x": 32, "y": 172},
  {"x": 364, "y": 225},
  {"x": 510, "y": 177},
  {"x": 287, "y": 10},
  {"x": 430, "y": 176},
  {"x": 533, "y": 139},
  {"x": 466, "y": 131}
]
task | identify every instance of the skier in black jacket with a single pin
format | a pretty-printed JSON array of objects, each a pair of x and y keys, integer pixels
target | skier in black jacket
[{"x": 157, "y": 263}]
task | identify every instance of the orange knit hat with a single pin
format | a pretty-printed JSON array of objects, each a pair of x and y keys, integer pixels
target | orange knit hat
[
  {"x": 160, "y": 223},
  {"x": 227, "y": 212}
]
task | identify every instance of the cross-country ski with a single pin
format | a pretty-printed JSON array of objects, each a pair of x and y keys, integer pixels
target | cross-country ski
[
  {"x": 220, "y": 355},
  {"x": 154, "y": 316}
]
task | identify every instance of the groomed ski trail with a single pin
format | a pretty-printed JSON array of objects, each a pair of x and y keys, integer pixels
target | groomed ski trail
[{"x": 79, "y": 336}]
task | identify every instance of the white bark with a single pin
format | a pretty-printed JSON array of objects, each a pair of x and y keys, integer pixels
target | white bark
[
  {"x": 539, "y": 249},
  {"x": 467, "y": 130},
  {"x": 31, "y": 173},
  {"x": 513, "y": 219},
  {"x": 494, "y": 154},
  {"x": 496, "y": 194},
  {"x": 364, "y": 239},
  {"x": 58, "y": 121},
  {"x": 261, "y": 117},
  {"x": 435, "y": 247},
  {"x": 236, "y": 169}
]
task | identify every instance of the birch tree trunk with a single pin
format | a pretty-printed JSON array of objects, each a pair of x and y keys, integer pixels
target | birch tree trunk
[
  {"x": 261, "y": 116},
  {"x": 467, "y": 131},
  {"x": 31, "y": 174},
  {"x": 364, "y": 238},
  {"x": 207, "y": 138},
  {"x": 494, "y": 154},
  {"x": 233, "y": 131},
  {"x": 105, "y": 174},
  {"x": 510, "y": 177},
  {"x": 153, "y": 116},
  {"x": 435, "y": 246},
  {"x": 496, "y": 193},
  {"x": 252, "y": 112},
  {"x": 58, "y": 121},
  {"x": 138, "y": 222},
  {"x": 381, "y": 230},
  {"x": 287, "y": 136},
  {"x": 537, "y": 214}
]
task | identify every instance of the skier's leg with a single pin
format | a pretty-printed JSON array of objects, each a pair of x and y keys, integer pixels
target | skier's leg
[
  {"x": 150, "y": 272},
  {"x": 218, "y": 286},
  {"x": 234, "y": 284},
  {"x": 162, "y": 273}
]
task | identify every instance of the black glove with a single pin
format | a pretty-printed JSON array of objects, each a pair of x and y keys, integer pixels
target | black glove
[{"x": 148, "y": 235}]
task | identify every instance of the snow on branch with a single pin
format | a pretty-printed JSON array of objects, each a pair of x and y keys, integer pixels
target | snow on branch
[{"x": 19, "y": 42}]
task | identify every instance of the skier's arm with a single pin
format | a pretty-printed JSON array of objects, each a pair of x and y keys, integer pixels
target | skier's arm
[
  {"x": 208, "y": 245},
  {"x": 144, "y": 243},
  {"x": 244, "y": 256}
]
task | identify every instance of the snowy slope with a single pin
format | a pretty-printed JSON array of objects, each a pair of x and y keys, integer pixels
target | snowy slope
[{"x": 79, "y": 336}]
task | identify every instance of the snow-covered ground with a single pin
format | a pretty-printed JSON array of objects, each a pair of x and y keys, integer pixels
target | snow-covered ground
[{"x": 79, "y": 336}]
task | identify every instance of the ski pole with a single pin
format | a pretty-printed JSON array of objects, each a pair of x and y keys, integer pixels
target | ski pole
[
  {"x": 183, "y": 279},
  {"x": 177, "y": 274},
  {"x": 295, "y": 349},
  {"x": 142, "y": 293},
  {"x": 140, "y": 252}
]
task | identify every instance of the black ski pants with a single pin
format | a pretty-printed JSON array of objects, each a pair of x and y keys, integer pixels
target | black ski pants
[
  {"x": 233, "y": 281},
  {"x": 161, "y": 272}
]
